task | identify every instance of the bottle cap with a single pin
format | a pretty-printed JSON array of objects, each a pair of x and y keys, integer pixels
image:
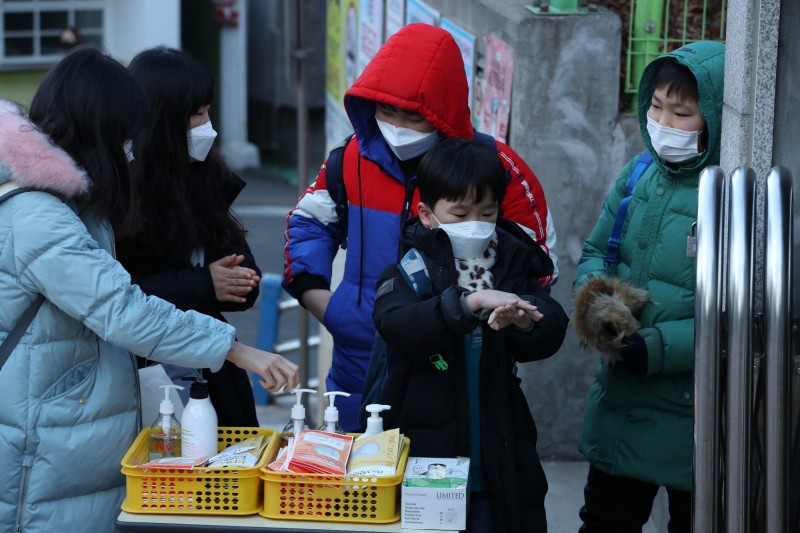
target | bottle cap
[
  {"x": 331, "y": 412},
  {"x": 199, "y": 388}
]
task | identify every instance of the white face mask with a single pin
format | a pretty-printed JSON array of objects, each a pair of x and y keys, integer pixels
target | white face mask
[
  {"x": 405, "y": 142},
  {"x": 200, "y": 140},
  {"x": 468, "y": 239},
  {"x": 675, "y": 146}
]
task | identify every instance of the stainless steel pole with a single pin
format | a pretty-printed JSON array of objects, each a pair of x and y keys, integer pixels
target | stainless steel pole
[
  {"x": 740, "y": 354},
  {"x": 778, "y": 315},
  {"x": 708, "y": 311},
  {"x": 300, "y": 55}
]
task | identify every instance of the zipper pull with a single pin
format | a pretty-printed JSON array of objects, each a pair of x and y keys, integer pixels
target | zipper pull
[{"x": 691, "y": 242}]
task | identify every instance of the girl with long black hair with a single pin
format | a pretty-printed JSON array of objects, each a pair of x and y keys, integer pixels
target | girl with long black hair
[{"x": 186, "y": 246}]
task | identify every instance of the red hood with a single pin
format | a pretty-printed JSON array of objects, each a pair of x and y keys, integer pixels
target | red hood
[{"x": 418, "y": 69}]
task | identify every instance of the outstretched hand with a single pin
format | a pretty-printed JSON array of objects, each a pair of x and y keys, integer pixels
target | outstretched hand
[
  {"x": 275, "y": 370},
  {"x": 522, "y": 315},
  {"x": 506, "y": 308},
  {"x": 231, "y": 281}
]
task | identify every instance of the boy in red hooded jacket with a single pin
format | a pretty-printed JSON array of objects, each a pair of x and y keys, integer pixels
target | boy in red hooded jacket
[{"x": 412, "y": 94}]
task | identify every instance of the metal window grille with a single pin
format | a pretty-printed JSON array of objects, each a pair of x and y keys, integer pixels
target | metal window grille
[
  {"x": 30, "y": 29},
  {"x": 659, "y": 26}
]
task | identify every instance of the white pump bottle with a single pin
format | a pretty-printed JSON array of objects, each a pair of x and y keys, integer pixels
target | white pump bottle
[
  {"x": 199, "y": 431},
  {"x": 331, "y": 420},
  {"x": 374, "y": 422},
  {"x": 298, "y": 420}
]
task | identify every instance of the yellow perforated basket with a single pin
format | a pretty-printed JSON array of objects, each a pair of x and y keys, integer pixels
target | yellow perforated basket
[
  {"x": 333, "y": 498},
  {"x": 201, "y": 491}
]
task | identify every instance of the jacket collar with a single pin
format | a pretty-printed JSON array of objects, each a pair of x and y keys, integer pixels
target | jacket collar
[{"x": 31, "y": 159}]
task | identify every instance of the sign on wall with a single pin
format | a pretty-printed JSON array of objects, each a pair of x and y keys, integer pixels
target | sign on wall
[
  {"x": 341, "y": 66},
  {"x": 466, "y": 43},
  {"x": 370, "y": 29},
  {"x": 395, "y": 16},
  {"x": 419, "y": 11},
  {"x": 496, "y": 88}
]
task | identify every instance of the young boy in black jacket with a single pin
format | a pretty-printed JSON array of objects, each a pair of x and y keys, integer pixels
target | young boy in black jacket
[{"x": 452, "y": 384}]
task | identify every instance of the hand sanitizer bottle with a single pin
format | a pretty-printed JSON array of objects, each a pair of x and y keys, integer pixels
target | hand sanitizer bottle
[
  {"x": 199, "y": 430},
  {"x": 298, "y": 420},
  {"x": 165, "y": 432},
  {"x": 331, "y": 420},
  {"x": 374, "y": 422}
]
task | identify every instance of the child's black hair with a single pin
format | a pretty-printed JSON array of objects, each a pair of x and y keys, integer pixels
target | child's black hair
[
  {"x": 677, "y": 79},
  {"x": 456, "y": 167}
]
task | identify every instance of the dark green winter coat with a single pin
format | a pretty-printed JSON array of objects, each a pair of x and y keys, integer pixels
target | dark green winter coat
[{"x": 641, "y": 427}]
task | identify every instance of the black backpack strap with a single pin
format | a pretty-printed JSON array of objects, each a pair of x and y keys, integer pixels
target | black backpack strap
[
  {"x": 485, "y": 138},
  {"x": 25, "y": 320},
  {"x": 334, "y": 179}
]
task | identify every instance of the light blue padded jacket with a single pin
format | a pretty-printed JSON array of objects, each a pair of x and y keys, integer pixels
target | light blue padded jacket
[{"x": 69, "y": 403}]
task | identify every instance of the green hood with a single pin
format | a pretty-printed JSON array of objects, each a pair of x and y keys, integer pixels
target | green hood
[{"x": 706, "y": 60}]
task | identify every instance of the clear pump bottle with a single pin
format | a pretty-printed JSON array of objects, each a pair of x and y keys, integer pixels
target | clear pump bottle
[
  {"x": 331, "y": 420},
  {"x": 298, "y": 420},
  {"x": 165, "y": 432}
]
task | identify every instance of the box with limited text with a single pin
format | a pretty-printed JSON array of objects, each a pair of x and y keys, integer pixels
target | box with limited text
[{"x": 435, "y": 493}]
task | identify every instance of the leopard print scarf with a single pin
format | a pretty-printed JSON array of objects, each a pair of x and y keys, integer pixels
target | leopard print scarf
[{"x": 475, "y": 274}]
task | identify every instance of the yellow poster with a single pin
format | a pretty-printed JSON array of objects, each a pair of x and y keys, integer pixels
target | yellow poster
[
  {"x": 333, "y": 48},
  {"x": 342, "y": 66},
  {"x": 341, "y": 47}
]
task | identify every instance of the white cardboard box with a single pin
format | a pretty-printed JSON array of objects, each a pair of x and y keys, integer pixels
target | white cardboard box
[{"x": 435, "y": 493}]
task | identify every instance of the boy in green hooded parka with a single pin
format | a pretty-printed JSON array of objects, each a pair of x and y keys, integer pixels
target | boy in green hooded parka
[{"x": 637, "y": 426}]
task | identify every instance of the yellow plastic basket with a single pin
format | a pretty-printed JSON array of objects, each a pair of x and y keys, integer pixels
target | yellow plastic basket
[
  {"x": 333, "y": 498},
  {"x": 200, "y": 491}
]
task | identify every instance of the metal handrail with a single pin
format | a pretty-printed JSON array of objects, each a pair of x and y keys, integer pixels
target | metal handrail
[
  {"x": 739, "y": 300},
  {"x": 778, "y": 351},
  {"x": 708, "y": 319}
]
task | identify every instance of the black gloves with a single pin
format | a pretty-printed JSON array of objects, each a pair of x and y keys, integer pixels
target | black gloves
[{"x": 633, "y": 355}]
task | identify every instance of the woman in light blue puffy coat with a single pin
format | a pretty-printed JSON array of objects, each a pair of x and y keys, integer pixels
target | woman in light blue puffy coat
[{"x": 69, "y": 403}]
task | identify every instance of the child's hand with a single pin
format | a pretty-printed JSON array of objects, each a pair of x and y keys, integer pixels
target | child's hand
[
  {"x": 522, "y": 315},
  {"x": 231, "y": 281},
  {"x": 490, "y": 299}
]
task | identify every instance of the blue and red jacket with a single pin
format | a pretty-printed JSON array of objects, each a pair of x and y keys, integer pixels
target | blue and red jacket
[{"x": 418, "y": 69}]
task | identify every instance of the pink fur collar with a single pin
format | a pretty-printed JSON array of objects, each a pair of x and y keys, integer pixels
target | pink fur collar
[{"x": 32, "y": 159}]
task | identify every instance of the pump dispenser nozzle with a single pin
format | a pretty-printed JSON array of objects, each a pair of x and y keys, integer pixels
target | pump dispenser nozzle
[
  {"x": 298, "y": 420},
  {"x": 375, "y": 422},
  {"x": 167, "y": 407},
  {"x": 331, "y": 419}
]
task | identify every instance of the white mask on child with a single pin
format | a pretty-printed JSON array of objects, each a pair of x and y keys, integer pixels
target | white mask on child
[
  {"x": 405, "y": 142},
  {"x": 200, "y": 140},
  {"x": 675, "y": 146},
  {"x": 468, "y": 239}
]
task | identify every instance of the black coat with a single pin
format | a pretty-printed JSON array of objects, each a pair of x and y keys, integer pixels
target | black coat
[
  {"x": 430, "y": 406},
  {"x": 159, "y": 273}
]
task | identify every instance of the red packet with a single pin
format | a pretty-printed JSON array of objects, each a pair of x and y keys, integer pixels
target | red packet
[{"x": 320, "y": 452}]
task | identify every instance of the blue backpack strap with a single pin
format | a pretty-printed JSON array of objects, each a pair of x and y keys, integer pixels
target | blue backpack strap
[
  {"x": 412, "y": 268},
  {"x": 415, "y": 273},
  {"x": 614, "y": 241}
]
